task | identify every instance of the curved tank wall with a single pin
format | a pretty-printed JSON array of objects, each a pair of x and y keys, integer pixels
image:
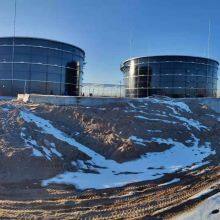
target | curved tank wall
[
  {"x": 35, "y": 65},
  {"x": 174, "y": 76}
]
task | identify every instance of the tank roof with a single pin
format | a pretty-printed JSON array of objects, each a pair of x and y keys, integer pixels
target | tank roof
[
  {"x": 39, "y": 38},
  {"x": 160, "y": 56}
]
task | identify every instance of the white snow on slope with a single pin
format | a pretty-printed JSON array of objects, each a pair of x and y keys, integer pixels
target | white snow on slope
[
  {"x": 137, "y": 140},
  {"x": 169, "y": 141},
  {"x": 155, "y": 119},
  {"x": 131, "y": 105},
  {"x": 171, "y": 103},
  {"x": 170, "y": 182},
  {"x": 175, "y": 106},
  {"x": 55, "y": 151},
  {"x": 187, "y": 122},
  {"x": 203, "y": 210},
  {"x": 190, "y": 122},
  {"x": 40, "y": 151},
  {"x": 110, "y": 173},
  {"x": 37, "y": 153},
  {"x": 33, "y": 144}
]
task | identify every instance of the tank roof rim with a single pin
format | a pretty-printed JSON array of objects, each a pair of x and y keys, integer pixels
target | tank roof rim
[
  {"x": 134, "y": 58},
  {"x": 46, "y": 39}
]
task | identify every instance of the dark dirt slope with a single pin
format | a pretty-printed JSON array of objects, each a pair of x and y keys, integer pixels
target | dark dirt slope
[
  {"x": 109, "y": 130},
  {"x": 17, "y": 162}
]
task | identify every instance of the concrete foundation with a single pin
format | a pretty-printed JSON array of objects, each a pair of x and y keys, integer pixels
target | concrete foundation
[
  {"x": 213, "y": 103},
  {"x": 68, "y": 100}
]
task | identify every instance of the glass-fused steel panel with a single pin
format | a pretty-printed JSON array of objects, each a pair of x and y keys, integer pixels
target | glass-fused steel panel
[
  {"x": 40, "y": 66},
  {"x": 174, "y": 76}
]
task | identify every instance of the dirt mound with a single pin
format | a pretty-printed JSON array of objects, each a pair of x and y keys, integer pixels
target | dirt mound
[
  {"x": 40, "y": 141},
  {"x": 118, "y": 131}
]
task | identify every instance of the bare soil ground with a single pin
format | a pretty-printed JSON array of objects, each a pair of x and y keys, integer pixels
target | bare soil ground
[
  {"x": 146, "y": 200},
  {"x": 107, "y": 130}
]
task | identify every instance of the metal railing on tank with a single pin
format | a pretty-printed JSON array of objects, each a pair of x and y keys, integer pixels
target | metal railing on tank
[{"x": 103, "y": 90}]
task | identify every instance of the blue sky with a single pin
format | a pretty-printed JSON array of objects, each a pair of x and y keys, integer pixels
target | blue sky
[{"x": 111, "y": 31}]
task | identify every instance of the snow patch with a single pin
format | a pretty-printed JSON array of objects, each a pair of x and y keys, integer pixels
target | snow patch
[
  {"x": 39, "y": 150},
  {"x": 155, "y": 119},
  {"x": 131, "y": 105},
  {"x": 127, "y": 172},
  {"x": 190, "y": 123},
  {"x": 37, "y": 153},
  {"x": 203, "y": 210},
  {"x": 169, "y": 102},
  {"x": 170, "y": 182},
  {"x": 31, "y": 143}
]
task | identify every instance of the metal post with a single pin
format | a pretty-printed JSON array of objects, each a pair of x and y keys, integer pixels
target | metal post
[
  {"x": 13, "y": 46},
  {"x": 120, "y": 87},
  {"x": 25, "y": 85},
  {"x": 209, "y": 37}
]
